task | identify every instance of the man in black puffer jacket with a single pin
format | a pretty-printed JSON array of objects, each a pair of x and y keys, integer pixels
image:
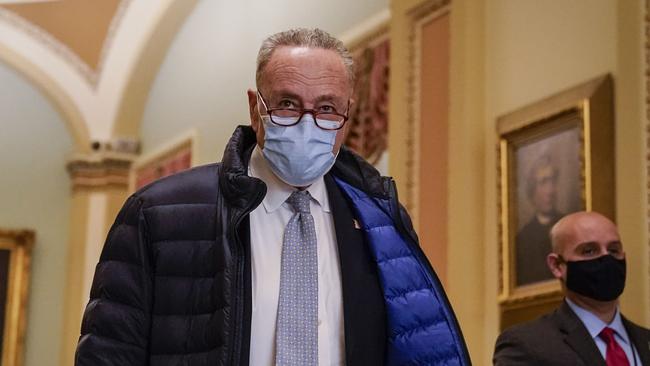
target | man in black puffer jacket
[{"x": 190, "y": 271}]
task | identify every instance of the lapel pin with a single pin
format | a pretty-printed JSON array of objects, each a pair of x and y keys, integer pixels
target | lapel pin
[{"x": 356, "y": 224}]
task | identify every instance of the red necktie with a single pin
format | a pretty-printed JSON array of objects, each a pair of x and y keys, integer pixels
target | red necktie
[{"x": 615, "y": 354}]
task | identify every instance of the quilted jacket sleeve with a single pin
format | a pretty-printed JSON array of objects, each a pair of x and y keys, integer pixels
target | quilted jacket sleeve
[{"x": 116, "y": 322}]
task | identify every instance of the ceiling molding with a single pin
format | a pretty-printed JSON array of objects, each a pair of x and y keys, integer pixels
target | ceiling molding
[{"x": 60, "y": 48}]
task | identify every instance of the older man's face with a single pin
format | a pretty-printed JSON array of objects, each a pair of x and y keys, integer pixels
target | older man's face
[{"x": 302, "y": 77}]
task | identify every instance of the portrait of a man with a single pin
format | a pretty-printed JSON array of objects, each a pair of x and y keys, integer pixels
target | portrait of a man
[{"x": 548, "y": 187}]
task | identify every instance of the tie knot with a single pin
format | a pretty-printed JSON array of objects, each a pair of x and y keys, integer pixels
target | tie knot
[
  {"x": 607, "y": 334},
  {"x": 299, "y": 201}
]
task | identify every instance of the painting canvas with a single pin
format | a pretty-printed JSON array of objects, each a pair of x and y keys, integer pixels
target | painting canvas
[
  {"x": 368, "y": 130},
  {"x": 170, "y": 159},
  {"x": 548, "y": 176}
]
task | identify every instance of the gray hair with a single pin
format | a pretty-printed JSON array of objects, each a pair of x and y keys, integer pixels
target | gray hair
[{"x": 303, "y": 37}]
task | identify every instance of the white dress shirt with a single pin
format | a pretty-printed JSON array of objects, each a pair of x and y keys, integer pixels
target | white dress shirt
[
  {"x": 267, "y": 223},
  {"x": 594, "y": 325}
]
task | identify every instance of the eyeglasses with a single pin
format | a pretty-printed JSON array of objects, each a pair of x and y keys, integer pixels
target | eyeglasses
[{"x": 326, "y": 120}]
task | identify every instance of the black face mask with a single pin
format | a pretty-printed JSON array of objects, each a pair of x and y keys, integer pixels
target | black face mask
[{"x": 601, "y": 279}]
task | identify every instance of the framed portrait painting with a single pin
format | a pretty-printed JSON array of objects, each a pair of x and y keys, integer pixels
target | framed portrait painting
[
  {"x": 15, "y": 258},
  {"x": 556, "y": 157},
  {"x": 367, "y": 135},
  {"x": 172, "y": 157}
]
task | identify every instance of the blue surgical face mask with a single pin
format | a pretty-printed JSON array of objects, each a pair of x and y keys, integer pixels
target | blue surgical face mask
[{"x": 298, "y": 154}]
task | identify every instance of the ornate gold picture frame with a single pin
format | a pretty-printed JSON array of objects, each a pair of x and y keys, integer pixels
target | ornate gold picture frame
[
  {"x": 556, "y": 156},
  {"x": 15, "y": 260}
]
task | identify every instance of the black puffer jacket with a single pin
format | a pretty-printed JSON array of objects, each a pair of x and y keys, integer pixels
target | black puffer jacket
[{"x": 169, "y": 288}]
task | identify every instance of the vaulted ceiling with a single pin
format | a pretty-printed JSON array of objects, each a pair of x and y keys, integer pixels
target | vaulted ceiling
[
  {"x": 95, "y": 59},
  {"x": 80, "y": 26}
]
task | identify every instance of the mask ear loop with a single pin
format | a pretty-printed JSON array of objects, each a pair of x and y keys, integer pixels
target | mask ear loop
[{"x": 260, "y": 101}]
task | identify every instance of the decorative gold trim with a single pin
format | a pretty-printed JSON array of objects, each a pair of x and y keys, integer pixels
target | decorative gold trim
[
  {"x": 20, "y": 244},
  {"x": 647, "y": 104},
  {"x": 586, "y": 120},
  {"x": 61, "y": 49},
  {"x": 592, "y": 104},
  {"x": 417, "y": 18},
  {"x": 504, "y": 262}
]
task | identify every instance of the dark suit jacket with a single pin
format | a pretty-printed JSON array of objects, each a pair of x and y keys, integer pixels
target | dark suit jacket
[{"x": 560, "y": 338}]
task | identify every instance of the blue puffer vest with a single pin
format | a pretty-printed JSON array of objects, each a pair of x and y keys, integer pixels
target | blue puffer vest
[{"x": 422, "y": 327}]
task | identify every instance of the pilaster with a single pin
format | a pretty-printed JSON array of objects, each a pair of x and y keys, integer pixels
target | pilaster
[{"x": 99, "y": 187}]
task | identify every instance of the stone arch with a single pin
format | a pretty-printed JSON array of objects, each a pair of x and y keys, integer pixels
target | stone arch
[
  {"x": 62, "y": 102},
  {"x": 131, "y": 106}
]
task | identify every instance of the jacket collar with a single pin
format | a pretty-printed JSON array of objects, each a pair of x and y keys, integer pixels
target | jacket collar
[
  {"x": 357, "y": 172},
  {"x": 277, "y": 191},
  {"x": 640, "y": 342},
  {"x": 240, "y": 190},
  {"x": 577, "y": 336}
]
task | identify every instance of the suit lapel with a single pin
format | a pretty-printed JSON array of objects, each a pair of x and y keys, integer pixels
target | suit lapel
[
  {"x": 641, "y": 343},
  {"x": 363, "y": 305},
  {"x": 577, "y": 336}
]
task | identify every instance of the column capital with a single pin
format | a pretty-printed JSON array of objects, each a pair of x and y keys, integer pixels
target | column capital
[{"x": 99, "y": 170}]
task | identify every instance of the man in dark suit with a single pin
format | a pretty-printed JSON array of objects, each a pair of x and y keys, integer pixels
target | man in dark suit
[
  {"x": 291, "y": 251},
  {"x": 588, "y": 328}
]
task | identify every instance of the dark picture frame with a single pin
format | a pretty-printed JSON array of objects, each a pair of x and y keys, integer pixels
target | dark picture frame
[
  {"x": 15, "y": 261},
  {"x": 555, "y": 157}
]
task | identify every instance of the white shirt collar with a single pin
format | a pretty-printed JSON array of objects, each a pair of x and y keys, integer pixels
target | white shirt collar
[
  {"x": 594, "y": 325},
  {"x": 278, "y": 191}
]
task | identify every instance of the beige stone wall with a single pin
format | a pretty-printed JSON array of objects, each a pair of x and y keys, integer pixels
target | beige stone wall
[
  {"x": 34, "y": 194},
  {"x": 535, "y": 49},
  {"x": 506, "y": 54},
  {"x": 503, "y": 54},
  {"x": 203, "y": 80}
]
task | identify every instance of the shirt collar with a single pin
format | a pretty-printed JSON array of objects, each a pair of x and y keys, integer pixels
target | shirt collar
[
  {"x": 278, "y": 191},
  {"x": 594, "y": 325}
]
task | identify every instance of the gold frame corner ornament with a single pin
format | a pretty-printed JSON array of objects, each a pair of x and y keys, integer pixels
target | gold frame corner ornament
[{"x": 20, "y": 244}]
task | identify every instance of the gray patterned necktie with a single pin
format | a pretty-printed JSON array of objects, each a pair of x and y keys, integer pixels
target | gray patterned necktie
[{"x": 297, "y": 325}]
